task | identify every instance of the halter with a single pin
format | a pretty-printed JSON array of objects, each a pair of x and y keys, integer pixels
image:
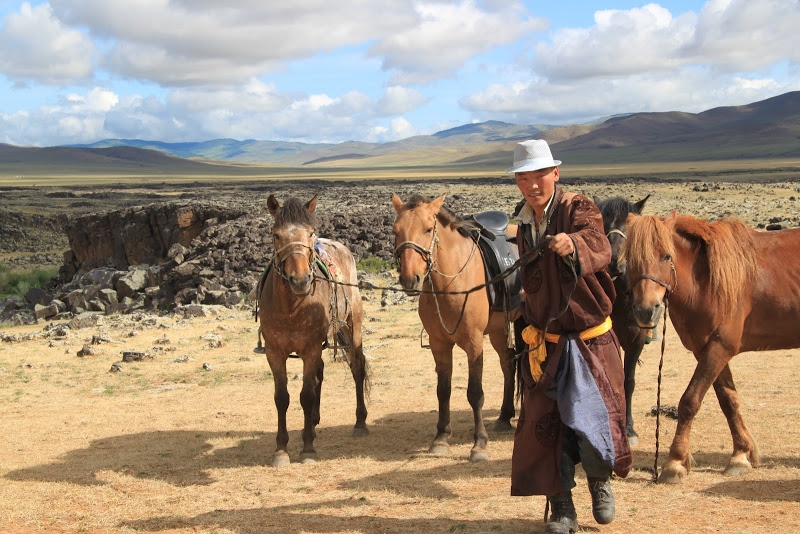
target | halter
[
  {"x": 616, "y": 231},
  {"x": 278, "y": 260},
  {"x": 427, "y": 255},
  {"x": 670, "y": 287}
]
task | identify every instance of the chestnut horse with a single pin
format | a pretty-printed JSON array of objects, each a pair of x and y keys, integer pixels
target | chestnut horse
[
  {"x": 729, "y": 289},
  {"x": 300, "y": 307},
  {"x": 632, "y": 337},
  {"x": 435, "y": 257}
]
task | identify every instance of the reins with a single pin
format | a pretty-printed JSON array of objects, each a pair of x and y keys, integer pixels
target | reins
[{"x": 669, "y": 289}]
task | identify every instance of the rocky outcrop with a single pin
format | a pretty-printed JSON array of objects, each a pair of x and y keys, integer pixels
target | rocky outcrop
[{"x": 136, "y": 236}]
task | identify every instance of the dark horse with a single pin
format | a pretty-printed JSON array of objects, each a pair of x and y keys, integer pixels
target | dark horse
[
  {"x": 301, "y": 307},
  {"x": 632, "y": 337},
  {"x": 729, "y": 289},
  {"x": 434, "y": 255}
]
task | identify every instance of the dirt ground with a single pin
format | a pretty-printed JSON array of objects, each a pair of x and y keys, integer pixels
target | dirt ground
[{"x": 181, "y": 441}]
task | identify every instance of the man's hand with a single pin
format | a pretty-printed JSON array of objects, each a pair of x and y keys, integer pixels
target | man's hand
[{"x": 562, "y": 245}]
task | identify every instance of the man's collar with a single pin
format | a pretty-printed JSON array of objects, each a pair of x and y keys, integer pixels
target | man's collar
[{"x": 526, "y": 214}]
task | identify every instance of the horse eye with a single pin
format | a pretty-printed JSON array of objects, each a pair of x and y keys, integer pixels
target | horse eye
[
  {"x": 667, "y": 257},
  {"x": 429, "y": 230}
]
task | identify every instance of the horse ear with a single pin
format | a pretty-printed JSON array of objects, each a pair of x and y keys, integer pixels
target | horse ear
[
  {"x": 273, "y": 205},
  {"x": 437, "y": 204},
  {"x": 397, "y": 203},
  {"x": 671, "y": 219},
  {"x": 311, "y": 205},
  {"x": 596, "y": 200},
  {"x": 639, "y": 206}
]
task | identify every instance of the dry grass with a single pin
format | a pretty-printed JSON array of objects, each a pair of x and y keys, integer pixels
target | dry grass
[{"x": 170, "y": 447}]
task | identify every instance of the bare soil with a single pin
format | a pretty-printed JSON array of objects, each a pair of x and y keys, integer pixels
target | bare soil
[{"x": 181, "y": 441}]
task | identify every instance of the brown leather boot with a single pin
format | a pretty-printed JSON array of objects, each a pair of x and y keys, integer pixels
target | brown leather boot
[
  {"x": 563, "y": 519},
  {"x": 602, "y": 500}
]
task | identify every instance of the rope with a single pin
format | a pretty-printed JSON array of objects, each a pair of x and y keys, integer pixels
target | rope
[{"x": 658, "y": 389}]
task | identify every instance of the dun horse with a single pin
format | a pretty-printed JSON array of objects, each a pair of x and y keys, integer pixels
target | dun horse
[
  {"x": 631, "y": 336},
  {"x": 434, "y": 255},
  {"x": 300, "y": 308},
  {"x": 729, "y": 289}
]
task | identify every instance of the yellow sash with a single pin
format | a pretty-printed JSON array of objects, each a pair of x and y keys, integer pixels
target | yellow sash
[{"x": 538, "y": 352}]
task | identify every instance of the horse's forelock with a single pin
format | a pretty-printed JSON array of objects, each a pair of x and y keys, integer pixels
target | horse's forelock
[
  {"x": 616, "y": 207},
  {"x": 294, "y": 211},
  {"x": 648, "y": 240}
]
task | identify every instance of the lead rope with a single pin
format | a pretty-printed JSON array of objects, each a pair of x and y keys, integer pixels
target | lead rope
[{"x": 658, "y": 389}]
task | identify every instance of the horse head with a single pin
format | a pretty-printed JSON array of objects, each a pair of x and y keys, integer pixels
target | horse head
[
  {"x": 615, "y": 212},
  {"x": 649, "y": 252},
  {"x": 293, "y": 241},
  {"x": 415, "y": 239}
]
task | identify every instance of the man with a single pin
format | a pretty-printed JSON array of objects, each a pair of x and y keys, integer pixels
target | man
[{"x": 573, "y": 407}]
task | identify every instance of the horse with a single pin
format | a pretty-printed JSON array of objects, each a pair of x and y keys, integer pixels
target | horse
[
  {"x": 435, "y": 256},
  {"x": 631, "y": 337},
  {"x": 728, "y": 289},
  {"x": 301, "y": 307}
]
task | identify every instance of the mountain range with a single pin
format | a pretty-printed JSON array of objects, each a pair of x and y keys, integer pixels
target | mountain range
[{"x": 768, "y": 129}]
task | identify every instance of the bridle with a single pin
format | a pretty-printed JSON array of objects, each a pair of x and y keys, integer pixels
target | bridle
[
  {"x": 619, "y": 232},
  {"x": 668, "y": 286},
  {"x": 297, "y": 247},
  {"x": 427, "y": 254}
]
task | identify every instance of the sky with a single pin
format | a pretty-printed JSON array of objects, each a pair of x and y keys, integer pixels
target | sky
[{"x": 317, "y": 71}]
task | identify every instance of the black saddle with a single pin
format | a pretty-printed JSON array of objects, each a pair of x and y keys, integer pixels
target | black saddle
[{"x": 499, "y": 254}]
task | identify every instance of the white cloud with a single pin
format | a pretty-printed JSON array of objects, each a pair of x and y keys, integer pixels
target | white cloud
[
  {"x": 644, "y": 59},
  {"x": 35, "y": 45},
  {"x": 192, "y": 43},
  {"x": 446, "y": 36},
  {"x": 256, "y": 110}
]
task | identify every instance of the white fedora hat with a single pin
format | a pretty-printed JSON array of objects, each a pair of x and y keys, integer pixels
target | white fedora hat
[{"x": 532, "y": 155}]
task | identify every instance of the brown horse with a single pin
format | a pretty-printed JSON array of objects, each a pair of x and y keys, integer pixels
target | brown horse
[
  {"x": 729, "y": 289},
  {"x": 434, "y": 255},
  {"x": 301, "y": 307}
]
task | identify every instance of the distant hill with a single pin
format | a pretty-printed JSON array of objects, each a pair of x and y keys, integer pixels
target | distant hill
[{"x": 765, "y": 129}]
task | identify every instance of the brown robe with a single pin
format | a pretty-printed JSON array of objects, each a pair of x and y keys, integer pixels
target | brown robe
[{"x": 550, "y": 287}]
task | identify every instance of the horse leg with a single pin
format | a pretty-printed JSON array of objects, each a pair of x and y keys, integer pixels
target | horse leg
[
  {"x": 709, "y": 365},
  {"x": 476, "y": 398},
  {"x": 499, "y": 341},
  {"x": 632, "y": 353},
  {"x": 358, "y": 368},
  {"x": 309, "y": 400},
  {"x": 745, "y": 450},
  {"x": 443, "y": 357},
  {"x": 320, "y": 375},
  {"x": 281, "y": 395}
]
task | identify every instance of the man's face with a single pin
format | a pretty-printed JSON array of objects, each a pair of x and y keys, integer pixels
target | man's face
[{"x": 537, "y": 186}]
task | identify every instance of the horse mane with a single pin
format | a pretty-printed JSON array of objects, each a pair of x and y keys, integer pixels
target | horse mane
[
  {"x": 617, "y": 207},
  {"x": 728, "y": 245},
  {"x": 294, "y": 211},
  {"x": 445, "y": 216}
]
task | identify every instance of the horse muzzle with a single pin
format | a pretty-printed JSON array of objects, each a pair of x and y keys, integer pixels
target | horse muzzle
[
  {"x": 647, "y": 316},
  {"x": 412, "y": 285},
  {"x": 301, "y": 285}
]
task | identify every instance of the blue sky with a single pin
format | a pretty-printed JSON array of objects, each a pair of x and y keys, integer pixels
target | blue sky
[{"x": 77, "y": 71}]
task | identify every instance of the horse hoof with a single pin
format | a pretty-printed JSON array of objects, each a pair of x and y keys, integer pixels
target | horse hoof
[
  {"x": 360, "y": 431},
  {"x": 280, "y": 459},
  {"x": 437, "y": 449},
  {"x": 672, "y": 474},
  {"x": 501, "y": 425},
  {"x": 478, "y": 456},
  {"x": 633, "y": 441},
  {"x": 308, "y": 458},
  {"x": 737, "y": 466}
]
